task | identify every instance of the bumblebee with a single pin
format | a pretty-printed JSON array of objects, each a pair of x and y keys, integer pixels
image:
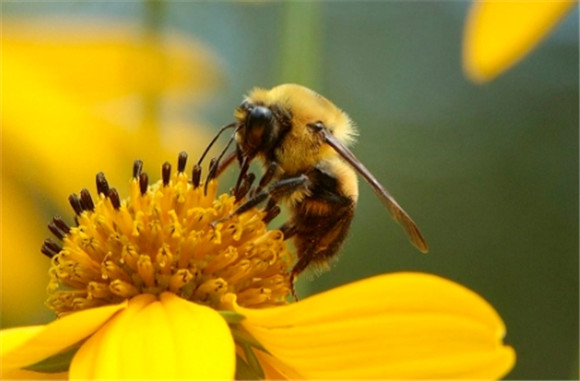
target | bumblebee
[{"x": 301, "y": 139}]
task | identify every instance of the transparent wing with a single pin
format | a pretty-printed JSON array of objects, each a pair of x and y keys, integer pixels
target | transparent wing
[{"x": 394, "y": 208}]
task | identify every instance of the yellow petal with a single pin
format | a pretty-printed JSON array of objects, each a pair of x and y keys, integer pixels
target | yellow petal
[
  {"x": 101, "y": 60},
  {"x": 14, "y": 337},
  {"x": 500, "y": 33},
  {"x": 403, "y": 326},
  {"x": 86, "y": 96},
  {"x": 29, "y": 345},
  {"x": 169, "y": 338}
]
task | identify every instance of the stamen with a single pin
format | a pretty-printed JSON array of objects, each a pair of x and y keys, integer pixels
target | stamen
[
  {"x": 181, "y": 161},
  {"x": 143, "y": 183},
  {"x": 137, "y": 168},
  {"x": 196, "y": 175},
  {"x": 75, "y": 202},
  {"x": 87, "y": 200},
  {"x": 113, "y": 195},
  {"x": 145, "y": 270},
  {"x": 123, "y": 289},
  {"x": 98, "y": 290},
  {"x": 212, "y": 166},
  {"x": 166, "y": 173},
  {"x": 102, "y": 184},
  {"x": 55, "y": 230},
  {"x": 59, "y": 222},
  {"x": 50, "y": 248},
  {"x": 179, "y": 280}
]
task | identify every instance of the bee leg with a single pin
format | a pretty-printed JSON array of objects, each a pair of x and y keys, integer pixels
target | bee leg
[
  {"x": 266, "y": 178},
  {"x": 245, "y": 187},
  {"x": 278, "y": 189},
  {"x": 288, "y": 229},
  {"x": 272, "y": 211},
  {"x": 244, "y": 166}
]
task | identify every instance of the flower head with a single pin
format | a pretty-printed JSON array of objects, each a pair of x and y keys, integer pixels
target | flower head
[
  {"x": 175, "y": 283},
  {"x": 164, "y": 238}
]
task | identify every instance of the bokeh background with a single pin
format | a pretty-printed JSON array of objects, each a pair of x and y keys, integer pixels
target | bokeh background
[{"x": 489, "y": 172}]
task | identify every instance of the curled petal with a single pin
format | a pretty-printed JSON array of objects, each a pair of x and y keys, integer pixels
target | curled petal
[
  {"x": 169, "y": 338},
  {"x": 401, "y": 326},
  {"x": 500, "y": 33},
  {"x": 29, "y": 345}
]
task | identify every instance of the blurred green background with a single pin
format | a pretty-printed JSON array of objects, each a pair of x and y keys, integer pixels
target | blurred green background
[{"x": 489, "y": 172}]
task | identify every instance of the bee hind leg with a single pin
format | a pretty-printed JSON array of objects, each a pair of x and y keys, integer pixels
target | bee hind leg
[{"x": 288, "y": 229}]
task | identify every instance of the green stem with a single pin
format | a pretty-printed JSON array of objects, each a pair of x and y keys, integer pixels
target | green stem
[
  {"x": 153, "y": 24},
  {"x": 301, "y": 43}
]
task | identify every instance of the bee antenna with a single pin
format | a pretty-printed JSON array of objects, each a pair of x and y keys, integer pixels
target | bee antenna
[
  {"x": 216, "y": 163},
  {"x": 215, "y": 138}
]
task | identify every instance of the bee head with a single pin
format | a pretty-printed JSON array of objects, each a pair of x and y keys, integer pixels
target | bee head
[{"x": 258, "y": 129}]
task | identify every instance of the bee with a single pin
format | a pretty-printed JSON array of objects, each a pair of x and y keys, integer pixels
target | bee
[{"x": 301, "y": 140}]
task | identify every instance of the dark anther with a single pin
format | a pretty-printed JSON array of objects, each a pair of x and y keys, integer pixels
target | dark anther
[
  {"x": 181, "y": 161},
  {"x": 58, "y": 233},
  {"x": 54, "y": 230},
  {"x": 243, "y": 189},
  {"x": 143, "y": 183},
  {"x": 137, "y": 167},
  {"x": 61, "y": 225},
  {"x": 213, "y": 164},
  {"x": 87, "y": 200},
  {"x": 211, "y": 173},
  {"x": 50, "y": 248},
  {"x": 75, "y": 202},
  {"x": 196, "y": 175},
  {"x": 102, "y": 184},
  {"x": 166, "y": 173},
  {"x": 114, "y": 197},
  {"x": 271, "y": 214}
]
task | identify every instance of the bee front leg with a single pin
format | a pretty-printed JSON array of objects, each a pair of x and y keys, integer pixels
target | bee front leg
[
  {"x": 273, "y": 169},
  {"x": 275, "y": 191}
]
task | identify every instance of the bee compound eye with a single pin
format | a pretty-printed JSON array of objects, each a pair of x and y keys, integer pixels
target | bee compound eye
[{"x": 259, "y": 116}]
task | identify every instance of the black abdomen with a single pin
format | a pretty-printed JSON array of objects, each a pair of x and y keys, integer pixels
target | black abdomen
[{"x": 321, "y": 221}]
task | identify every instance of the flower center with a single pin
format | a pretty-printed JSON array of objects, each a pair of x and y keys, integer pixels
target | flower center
[{"x": 172, "y": 236}]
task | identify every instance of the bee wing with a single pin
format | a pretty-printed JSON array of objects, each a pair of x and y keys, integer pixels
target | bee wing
[{"x": 394, "y": 208}]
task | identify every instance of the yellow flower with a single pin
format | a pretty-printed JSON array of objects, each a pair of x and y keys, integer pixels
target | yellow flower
[
  {"x": 171, "y": 283},
  {"x": 498, "y": 34},
  {"x": 74, "y": 94}
]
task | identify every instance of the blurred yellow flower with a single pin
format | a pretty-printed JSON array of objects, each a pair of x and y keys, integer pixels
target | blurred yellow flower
[
  {"x": 172, "y": 284},
  {"x": 498, "y": 33},
  {"x": 79, "y": 96}
]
